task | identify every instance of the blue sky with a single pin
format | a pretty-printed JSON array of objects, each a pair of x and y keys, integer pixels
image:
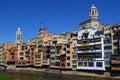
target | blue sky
[{"x": 56, "y": 15}]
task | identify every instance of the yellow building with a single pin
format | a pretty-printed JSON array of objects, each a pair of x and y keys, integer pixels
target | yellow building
[
  {"x": 39, "y": 53},
  {"x": 26, "y": 52},
  {"x": 115, "y": 58},
  {"x": 63, "y": 55},
  {"x": 43, "y": 49}
]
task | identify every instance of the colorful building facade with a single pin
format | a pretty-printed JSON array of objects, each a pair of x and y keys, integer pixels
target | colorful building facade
[
  {"x": 115, "y": 58},
  {"x": 93, "y": 47}
]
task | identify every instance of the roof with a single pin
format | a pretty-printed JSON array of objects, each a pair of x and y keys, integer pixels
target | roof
[
  {"x": 84, "y": 22},
  {"x": 93, "y": 6}
]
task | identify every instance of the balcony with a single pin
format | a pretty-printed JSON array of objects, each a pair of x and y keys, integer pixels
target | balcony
[
  {"x": 86, "y": 59},
  {"x": 38, "y": 61},
  {"x": 45, "y": 62},
  {"x": 89, "y": 51},
  {"x": 52, "y": 50},
  {"x": 115, "y": 61},
  {"x": 89, "y": 44},
  {"x": 39, "y": 48},
  {"x": 115, "y": 68},
  {"x": 57, "y": 54},
  {"x": 57, "y": 60}
]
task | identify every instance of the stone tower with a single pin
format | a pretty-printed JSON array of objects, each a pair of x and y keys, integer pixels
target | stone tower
[
  {"x": 94, "y": 17},
  {"x": 18, "y": 36},
  {"x": 93, "y": 12}
]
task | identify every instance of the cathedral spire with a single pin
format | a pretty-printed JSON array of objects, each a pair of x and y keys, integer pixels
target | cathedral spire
[
  {"x": 18, "y": 36},
  {"x": 93, "y": 12},
  {"x": 93, "y": 6}
]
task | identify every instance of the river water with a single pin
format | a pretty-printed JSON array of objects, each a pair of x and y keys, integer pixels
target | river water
[{"x": 46, "y": 76}]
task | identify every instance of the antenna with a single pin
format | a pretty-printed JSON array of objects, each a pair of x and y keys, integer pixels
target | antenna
[{"x": 41, "y": 24}]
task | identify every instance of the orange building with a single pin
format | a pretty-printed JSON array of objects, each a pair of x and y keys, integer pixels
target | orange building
[
  {"x": 7, "y": 47},
  {"x": 11, "y": 57}
]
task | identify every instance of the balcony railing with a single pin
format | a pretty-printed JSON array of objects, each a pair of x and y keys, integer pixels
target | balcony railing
[
  {"x": 115, "y": 61},
  {"x": 115, "y": 68},
  {"x": 89, "y": 51}
]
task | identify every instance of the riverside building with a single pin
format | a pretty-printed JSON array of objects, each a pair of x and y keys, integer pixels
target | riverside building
[
  {"x": 26, "y": 51},
  {"x": 42, "y": 57},
  {"x": 63, "y": 51},
  {"x": 92, "y": 52},
  {"x": 115, "y": 58},
  {"x": 1, "y": 52}
]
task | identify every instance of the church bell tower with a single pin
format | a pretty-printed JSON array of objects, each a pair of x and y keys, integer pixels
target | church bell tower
[
  {"x": 18, "y": 36},
  {"x": 93, "y": 12}
]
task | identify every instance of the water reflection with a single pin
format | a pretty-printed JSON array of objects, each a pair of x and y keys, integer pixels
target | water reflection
[{"x": 45, "y": 76}]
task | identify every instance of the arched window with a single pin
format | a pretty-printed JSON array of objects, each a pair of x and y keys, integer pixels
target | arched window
[
  {"x": 95, "y": 12},
  {"x": 92, "y": 12}
]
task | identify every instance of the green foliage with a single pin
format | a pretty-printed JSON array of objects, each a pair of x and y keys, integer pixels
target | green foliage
[{"x": 2, "y": 77}]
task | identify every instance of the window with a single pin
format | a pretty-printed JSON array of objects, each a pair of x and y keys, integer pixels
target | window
[
  {"x": 21, "y": 53},
  {"x": 62, "y": 64},
  {"x": 21, "y": 58},
  {"x": 80, "y": 64},
  {"x": 98, "y": 55},
  {"x": 74, "y": 56},
  {"x": 78, "y": 49},
  {"x": 108, "y": 47},
  {"x": 79, "y": 42},
  {"x": 52, "y": 58},
  {"x": 44, "y": 57},
  {"x": 52, "y": 52},
  {"x": 99, "y": 64},
  {"x": 57, "y": 58},
  {"x": 52, "y": 64},
  {"x": 68, "y": 46},
  {"x": 115, "y": 44},
  {"x": 37, "y": 56},
  {"x": 107, "y": 62},
  {"x": 108, "y": 55},
  {"x": 115, "y": 51},
  {"x": 107, "y": 41},
  {"x": 52, "y": 47},
  {"x": 28, "y": 58},
  {"x": 90, "y": 64},
  {"x": 85, "y": 63},
  {"x": 98, "y": 47},
  {"x": 85, "y": 35},
  {"x": 12, "y": 57},
  {"x": 68, "y": 52},
  {"x": 74, "y": 61},
  {"x": 79, "y": 56},
  {"x": 68, "y": 58},
  {"x": 68, "y": 64},
  {"x": 98, "y": 40},
  {"x": 114, "y": 37},
  {"x": 11, "y": 53},
  {"x": 74, "y": 66},
  {"x": 92, "y": 12},
  {"x": 57, "y": 64},
  {"x": 85, "y": 41},
  {"x": 115, "y": 57}
]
